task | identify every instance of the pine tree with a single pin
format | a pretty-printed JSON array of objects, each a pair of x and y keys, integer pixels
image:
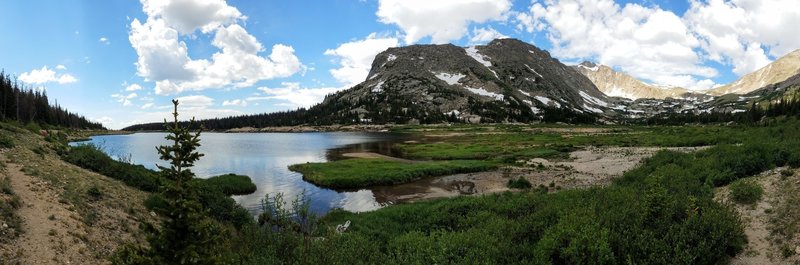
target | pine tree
[{"x": 188, "y": 235}]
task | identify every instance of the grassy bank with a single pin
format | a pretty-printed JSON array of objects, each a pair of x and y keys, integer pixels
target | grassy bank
[
  {"x": 214, "y": 192},
  {"x": 364, "y": 172},
  {"x": 510, "y": 143},
  {"x": 504, "y": 145},
  {"x": 662, "y": 212}
]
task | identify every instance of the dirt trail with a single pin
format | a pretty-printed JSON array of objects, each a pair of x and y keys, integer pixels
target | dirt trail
[
  {"x": 762, "y": 246},
  {"x": 49, "y": 226}
]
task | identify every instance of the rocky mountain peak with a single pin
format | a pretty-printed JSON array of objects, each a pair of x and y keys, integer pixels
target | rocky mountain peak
[
  {"x": 588, "y": 64},
  {"x": 504, "y": 80}
]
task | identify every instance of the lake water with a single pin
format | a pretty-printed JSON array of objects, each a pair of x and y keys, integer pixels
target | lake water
[{"x": 265, "y": 158}]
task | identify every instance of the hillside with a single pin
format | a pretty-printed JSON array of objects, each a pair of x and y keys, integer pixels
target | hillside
[
  {"x": 62, "y": 214},
  {"x": 781, "y": 69},
  {"x": 619, "y": 84}
]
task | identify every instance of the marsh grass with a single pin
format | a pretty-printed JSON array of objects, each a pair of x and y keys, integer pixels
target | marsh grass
[{"x": 365, "y": 172}]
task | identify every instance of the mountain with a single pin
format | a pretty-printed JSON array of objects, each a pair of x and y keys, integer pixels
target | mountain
[
  {"x": 505, "y": 80},
  {"x": 618, "y": 84},
  {"x": 781, "y": 69}
]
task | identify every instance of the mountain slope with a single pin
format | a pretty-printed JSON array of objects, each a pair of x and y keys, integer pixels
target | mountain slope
[
  {"x": 506, "y": 80},
  {"x": 618, "y": 84},
  {"x": 777, "y": 71}
]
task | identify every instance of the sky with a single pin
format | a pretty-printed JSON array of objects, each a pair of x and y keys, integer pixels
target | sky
[{"x": 121, "y": 62}]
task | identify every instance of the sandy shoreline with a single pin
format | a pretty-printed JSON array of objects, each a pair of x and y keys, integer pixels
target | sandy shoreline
[{"x": 586, "y": 168}]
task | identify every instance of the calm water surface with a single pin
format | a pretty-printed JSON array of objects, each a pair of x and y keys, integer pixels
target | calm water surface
[{"x": 265, "y": 158}]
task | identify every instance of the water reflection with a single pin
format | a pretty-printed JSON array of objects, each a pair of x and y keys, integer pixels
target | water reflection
[{"x": 265, "y": 157}]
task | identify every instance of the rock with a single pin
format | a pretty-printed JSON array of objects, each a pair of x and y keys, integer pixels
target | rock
[
  {"x": 5, "y": 225},
  {"x": 797, "y": 250},
  {"x": 153, "y": 214},
  {"x": 343, "y": 227}
]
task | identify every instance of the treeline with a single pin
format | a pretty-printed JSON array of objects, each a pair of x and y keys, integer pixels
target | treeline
[
  {"x": 397, "y": 109},
  {"x": 25, "y": 105}
]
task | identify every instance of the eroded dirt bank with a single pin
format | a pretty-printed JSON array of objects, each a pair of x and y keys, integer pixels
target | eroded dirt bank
[{"x": 770, "y": 224}]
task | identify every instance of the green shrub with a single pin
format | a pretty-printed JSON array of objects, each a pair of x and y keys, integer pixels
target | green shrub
[
  {"x": 94, "y": 193},
  {"x": 520, "y": 183},
  {"x": 787, "y": 173},
  {"x": 6, "y": 142},
  {"x": 746, "y": 191},
  {"x": 231, "y": 184},
  {"x": 90, "y": 157},
  {"x": 33, "y": 127}
]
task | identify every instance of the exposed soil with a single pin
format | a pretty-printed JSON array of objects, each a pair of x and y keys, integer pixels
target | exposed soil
[
  {"x": 61, "y": 222},
  {"x": 47, "y": 224},
  {"x": 585, "y": 168},
  {"x": 767, "y": 242}
]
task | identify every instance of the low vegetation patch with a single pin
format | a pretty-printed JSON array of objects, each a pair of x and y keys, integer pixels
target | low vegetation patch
[
  {"x": 746, "y": 191},
  {"x": 6, "y": 142},
  {"x": 90, "y": 157},
  {"x": 231, "y": 184},
  {"x": 520, "y": 183},
  {"x": 364, "y": 172},
  {"x": 10, "y": 222},
  {"x": 213, "y": 192}
]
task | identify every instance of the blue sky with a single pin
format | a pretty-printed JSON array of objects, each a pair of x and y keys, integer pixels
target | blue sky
[{"x": 120, "y": 62}]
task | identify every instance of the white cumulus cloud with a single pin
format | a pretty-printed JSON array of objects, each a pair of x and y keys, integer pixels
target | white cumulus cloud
[
  {"x": 133, "y": 87},
  {"x": 164, "y": 58},
  {"x": 355, "y": 58},
  {"x": 104, "y": 40},
  {"x": 743, "y": 33},
  {"x": 125, "y": 99},
  {"x": 235, "y": 102},
  {"x": 186, "y": 16},
  {"x": 483, "y": 35},
  {"x": 443, "y": 21},
  {"x": 46, "y": 75},
  {"x": 295, "y": 95},
  {"x": 103, "y": 120},
  {"x": 645, "y": 42}
]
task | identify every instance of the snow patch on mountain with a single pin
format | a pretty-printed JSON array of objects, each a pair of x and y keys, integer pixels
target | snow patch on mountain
[
  {"x": 547, "y": 101},
  {"x": 378, "y": 88},
  {"x": 534, "y": 71},
  {"x": 483, "y": 92},
  {"x": 473, "y": 52},
  {"x": 595, "y": 110},
  {"x": 450, "y": 79},
  {"x": 592, "y": 99}
]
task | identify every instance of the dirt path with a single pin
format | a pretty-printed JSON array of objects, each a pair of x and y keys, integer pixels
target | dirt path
[
  {"x": 763, "y": 247},
  {"x": 49, "y": 226}
]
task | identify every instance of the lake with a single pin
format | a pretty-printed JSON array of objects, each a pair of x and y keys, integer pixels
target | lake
[{"x": 264, "y": 157}]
